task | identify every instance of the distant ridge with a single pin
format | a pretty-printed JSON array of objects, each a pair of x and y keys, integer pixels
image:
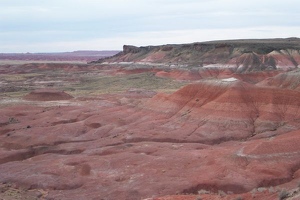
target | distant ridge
[
  {"x": 243, "y": 54},
  {"x": 80, "y": 55}
]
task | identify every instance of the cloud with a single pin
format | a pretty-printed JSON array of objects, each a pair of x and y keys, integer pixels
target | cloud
[
  {"x": 35, "y": 23},
  {"x": 152, "y": 38}
]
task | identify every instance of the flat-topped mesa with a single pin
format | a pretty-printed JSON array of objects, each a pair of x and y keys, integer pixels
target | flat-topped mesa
[
  {"x": 130, "y": 49},
  {"x": 134, "y": 49},
  {"x": 244, "y": 55}
]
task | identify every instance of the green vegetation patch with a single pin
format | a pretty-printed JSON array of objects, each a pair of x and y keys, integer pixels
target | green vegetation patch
[
  {"x": 121, "y": 83},
  {"x": 18, "y": 77}
]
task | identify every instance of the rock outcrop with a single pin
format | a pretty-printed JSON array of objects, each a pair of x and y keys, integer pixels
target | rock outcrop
[{"x": 243, "y": 55}]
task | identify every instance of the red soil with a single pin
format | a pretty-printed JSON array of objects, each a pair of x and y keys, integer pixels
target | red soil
[{"x": 215, "y": 139}]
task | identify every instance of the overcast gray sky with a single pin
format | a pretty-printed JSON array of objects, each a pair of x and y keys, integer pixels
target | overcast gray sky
[{"x": 67, "y": 25}]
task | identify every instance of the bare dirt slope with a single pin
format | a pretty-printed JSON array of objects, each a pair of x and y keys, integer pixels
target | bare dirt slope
[{"x": 134, "y": 131}]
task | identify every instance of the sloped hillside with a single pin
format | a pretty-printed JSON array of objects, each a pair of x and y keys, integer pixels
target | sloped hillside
[{"x": 243, "y": 55}]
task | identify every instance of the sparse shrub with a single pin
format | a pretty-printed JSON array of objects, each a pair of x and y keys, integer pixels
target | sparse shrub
[
  {"x": 221, "y": 193},
  {"x": 202, "y": 191},
  {"x": 261, "y": 189},
  {"x": 239, "y": 198},
  {"x": 13, "y": 120},
  {"x": 272, "y": 190},
  {"x": 283, "y": 194}
]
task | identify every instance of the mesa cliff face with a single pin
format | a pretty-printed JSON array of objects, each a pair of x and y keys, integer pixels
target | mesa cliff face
[{"x": 243, "y": 55}]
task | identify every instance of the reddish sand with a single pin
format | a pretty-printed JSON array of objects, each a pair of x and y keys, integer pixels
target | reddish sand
[
  {"x": 121, "y": 152},
  {"x": 219, "y": 138}
]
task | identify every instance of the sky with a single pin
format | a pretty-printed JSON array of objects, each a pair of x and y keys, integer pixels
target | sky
[{"x": 68, "y": 25}]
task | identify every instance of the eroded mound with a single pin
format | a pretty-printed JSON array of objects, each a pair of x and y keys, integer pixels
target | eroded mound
[
  {"x": 220, "y": 110},
  {"x": 289, "y": 80},
  {"x": 47, "y": 95}
]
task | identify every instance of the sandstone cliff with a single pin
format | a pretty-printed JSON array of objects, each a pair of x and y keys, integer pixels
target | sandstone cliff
[{"x": 243, "y": 55}]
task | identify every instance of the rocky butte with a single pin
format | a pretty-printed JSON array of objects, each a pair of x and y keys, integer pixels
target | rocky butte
[{"x": 216, "y": 120}]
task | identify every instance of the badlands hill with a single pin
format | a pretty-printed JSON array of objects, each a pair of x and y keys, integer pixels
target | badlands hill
[
  {"x": 211, "y": 121},
  {"x": 243, "y": 55}
]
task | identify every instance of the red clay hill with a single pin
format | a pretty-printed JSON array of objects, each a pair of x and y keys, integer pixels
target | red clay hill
[{"x": 187, "y": 125}]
